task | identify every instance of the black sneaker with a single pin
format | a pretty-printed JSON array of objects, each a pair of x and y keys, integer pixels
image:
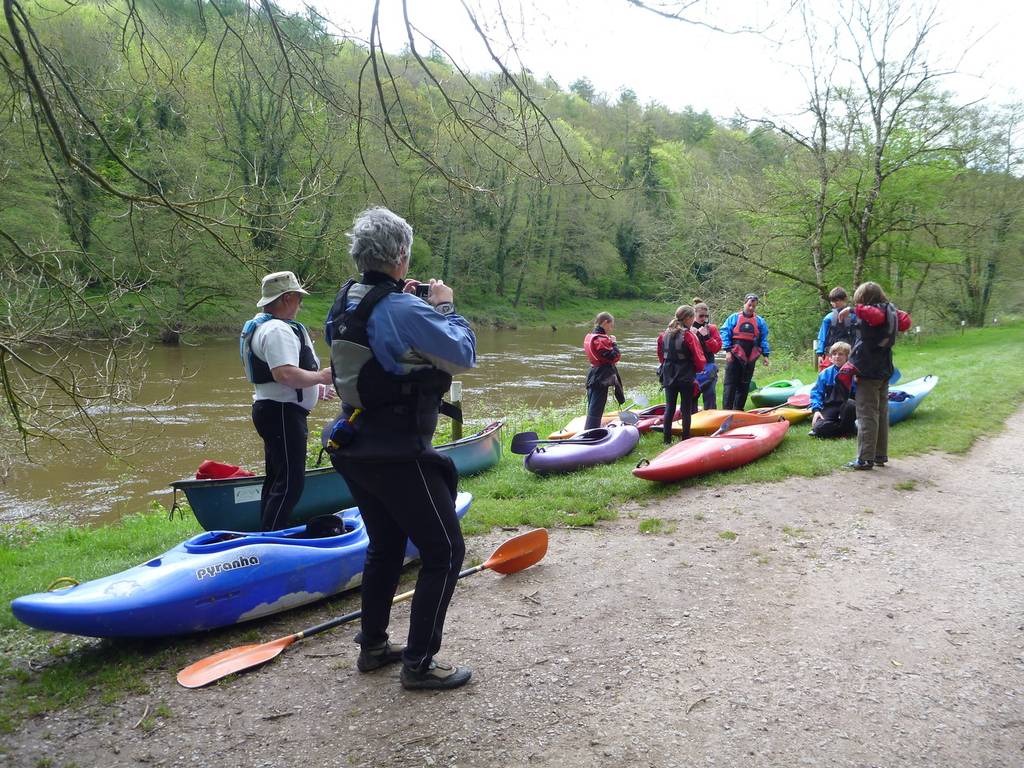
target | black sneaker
[
  {"x": 380, "y": 656},
  {"x": 881, "y": 461},
  {"x": 858, "y": 464},
  {"x": 437, "y": 677}
]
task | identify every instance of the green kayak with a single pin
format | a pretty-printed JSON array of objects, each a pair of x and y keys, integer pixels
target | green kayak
[
  {"x": 233, "y": 504},
  {"x": 776, "y": 393}
]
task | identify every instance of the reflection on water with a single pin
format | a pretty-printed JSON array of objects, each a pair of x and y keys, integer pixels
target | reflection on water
[{"x": 202, "y": 412}]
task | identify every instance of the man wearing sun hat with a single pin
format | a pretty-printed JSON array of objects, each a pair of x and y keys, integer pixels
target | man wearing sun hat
[
  {"x": 744, "y": 339},
  {"x": 278, "y": 358}
]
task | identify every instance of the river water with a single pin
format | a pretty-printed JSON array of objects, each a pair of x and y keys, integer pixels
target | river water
[{"x": 194, "y": 404}]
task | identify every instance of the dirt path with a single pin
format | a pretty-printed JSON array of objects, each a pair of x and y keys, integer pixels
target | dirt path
[{"x": 875, "y": 620}]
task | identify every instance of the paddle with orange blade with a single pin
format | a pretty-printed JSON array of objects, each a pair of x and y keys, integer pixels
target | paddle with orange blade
[{"x": 516, "y": 554}]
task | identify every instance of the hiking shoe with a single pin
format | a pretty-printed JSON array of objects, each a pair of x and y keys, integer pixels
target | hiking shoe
[
  {"x": 377, "y": 657},
  {"x": 858, "y": 464},
  {"x": 437, "y": 677}
]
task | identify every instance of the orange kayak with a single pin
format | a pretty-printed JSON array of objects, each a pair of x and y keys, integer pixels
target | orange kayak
[{"x": 703, "y": 455}]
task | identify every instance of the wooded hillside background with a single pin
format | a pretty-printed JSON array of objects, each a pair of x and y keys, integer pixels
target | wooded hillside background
[{"x": 157, "y": 157}]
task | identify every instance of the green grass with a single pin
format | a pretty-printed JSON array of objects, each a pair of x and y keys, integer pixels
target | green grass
[
  {"x": 655, "y": 525},
  {"x": 981, "y": 382}
]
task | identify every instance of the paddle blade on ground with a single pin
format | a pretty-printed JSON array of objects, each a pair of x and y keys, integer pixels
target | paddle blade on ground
[
  {"x": 206, "y": 671},
  {"x": 799, "y": 401},
  {"x": 519, "y": 552}
]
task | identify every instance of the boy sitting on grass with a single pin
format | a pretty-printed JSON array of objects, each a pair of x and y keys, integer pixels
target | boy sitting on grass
[{"x": 835, "y": 410}]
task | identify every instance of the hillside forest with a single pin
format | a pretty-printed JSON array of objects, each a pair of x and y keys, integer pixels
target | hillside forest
[{"x": 158, "y": 156}]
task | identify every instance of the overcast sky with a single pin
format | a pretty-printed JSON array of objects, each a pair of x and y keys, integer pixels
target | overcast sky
[{"x": 619, "y": 46}]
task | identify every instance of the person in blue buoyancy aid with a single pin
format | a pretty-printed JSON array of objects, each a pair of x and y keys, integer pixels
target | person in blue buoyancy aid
[
  {"x": 602, "y": 354},
  {"x": 278, "y": 358},
  {"x": 833, "y": 329},
  {"x": 393, "y": 356},
  {"x": 744, "y": 338},
  {"x": 832, "y": 403}
]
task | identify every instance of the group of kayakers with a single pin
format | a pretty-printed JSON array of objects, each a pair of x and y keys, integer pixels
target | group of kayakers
[
  {"x": 395, "y": 344},
  {"x": 850, "y": 395}
]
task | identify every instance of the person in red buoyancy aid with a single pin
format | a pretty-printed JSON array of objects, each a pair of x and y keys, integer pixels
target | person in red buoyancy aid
[
  {"x": 603, "y": 354},
  {"x": 877, "y": 325},
  {"x": 710, "y": 342},
  {"x": 682, "y": 359},
  {"x": 744, "y": 338}
]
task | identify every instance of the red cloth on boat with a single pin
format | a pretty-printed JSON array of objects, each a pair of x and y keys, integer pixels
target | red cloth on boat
[{"x": 216, "y": 470}]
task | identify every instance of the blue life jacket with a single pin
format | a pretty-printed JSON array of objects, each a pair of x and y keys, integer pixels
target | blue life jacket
[{"x": 397, "y": 414}]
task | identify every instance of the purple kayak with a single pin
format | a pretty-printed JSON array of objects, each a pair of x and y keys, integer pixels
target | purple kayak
[{"x": 594, "y": 446}]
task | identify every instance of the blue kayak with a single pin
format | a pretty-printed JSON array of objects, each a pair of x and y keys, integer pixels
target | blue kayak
[
  {"x": 904, "y": 398},
  {"x": 214, "y": 579}
]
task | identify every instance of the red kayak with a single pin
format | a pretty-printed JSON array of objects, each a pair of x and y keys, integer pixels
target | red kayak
[
  {"x": 702, "y": 455},
  {"x": 654, "y": 417}
]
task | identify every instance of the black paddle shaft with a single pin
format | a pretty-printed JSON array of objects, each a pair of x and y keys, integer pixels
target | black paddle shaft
[
  {"x": 348, "y": 617},
  {"x": 524, "y": 442}
]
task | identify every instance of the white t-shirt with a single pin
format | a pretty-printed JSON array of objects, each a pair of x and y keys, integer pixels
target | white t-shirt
[{"x": 276, "y": 344}]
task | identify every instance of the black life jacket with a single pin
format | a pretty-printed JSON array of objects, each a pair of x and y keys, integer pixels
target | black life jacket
[
  {"x": 840, "y": 330},
  {"x": 391, "y": 415},
  {"x": 256, "y": 369},
  {"x": 709, "y": 356},
  {"x": 872, "y": 350},
  {"x": 678, "y": 366}
]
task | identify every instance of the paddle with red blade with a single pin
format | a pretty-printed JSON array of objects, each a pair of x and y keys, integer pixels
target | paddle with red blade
[{"x": 516, "y": 554}]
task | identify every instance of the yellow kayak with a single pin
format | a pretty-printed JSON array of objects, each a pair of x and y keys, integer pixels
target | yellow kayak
[
  {"x": 577, "y": 424},
  {"x": 792, "y": 415}
]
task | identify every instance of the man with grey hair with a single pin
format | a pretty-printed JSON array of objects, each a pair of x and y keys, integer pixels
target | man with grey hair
[{"x": 395, "y": 344}]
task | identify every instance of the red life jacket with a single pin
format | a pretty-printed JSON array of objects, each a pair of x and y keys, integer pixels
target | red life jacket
[
  {"x": 746, "y": 329},
  {"x": 588, "y": 347}
]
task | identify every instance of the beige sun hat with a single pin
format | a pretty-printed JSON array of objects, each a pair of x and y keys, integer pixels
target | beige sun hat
[{"x": 277, "y": 284}]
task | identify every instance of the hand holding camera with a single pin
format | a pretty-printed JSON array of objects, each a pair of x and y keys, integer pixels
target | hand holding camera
[{"x": 434, "y": 292}]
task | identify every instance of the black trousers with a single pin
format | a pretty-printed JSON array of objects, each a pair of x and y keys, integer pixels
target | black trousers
[
  {"x": 597, "y": 398},
  {"x": 843, "y": 426},
  {"x": 284, "y": 431},
  {"x": 737, "y": 383},
  {"x": 683, "y": 390},
  {"x": 404, "y": 500}
]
